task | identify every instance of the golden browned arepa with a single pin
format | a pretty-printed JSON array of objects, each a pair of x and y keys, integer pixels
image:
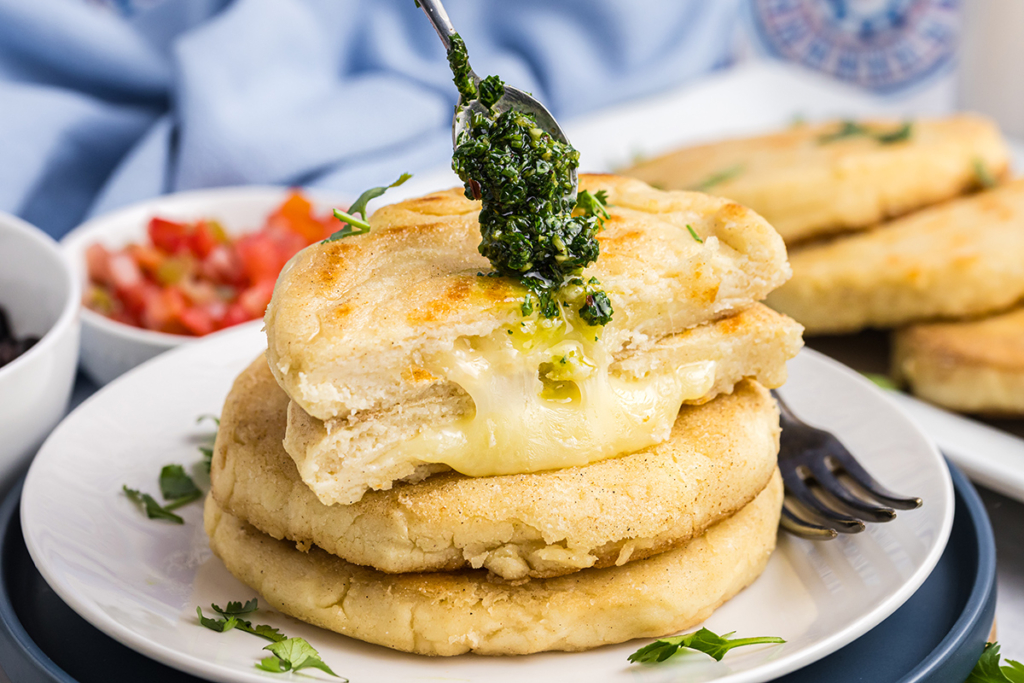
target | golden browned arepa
[
  {"x": 809, "y": 180},
  {"x": 719, "y": 457},
  {"x": 343, "y": 458},
  {"x": 954, "y": 260},
  {"x": 401, "y": 319},
  {"x": 974, "y": 366},
  {"x": 450, "y": 613}
]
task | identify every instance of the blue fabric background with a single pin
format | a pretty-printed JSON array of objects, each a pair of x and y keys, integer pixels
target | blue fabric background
[{"x": 102, "y": 105}]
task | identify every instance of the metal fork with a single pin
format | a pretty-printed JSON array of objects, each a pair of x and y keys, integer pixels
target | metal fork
[{"x": 827, "y": 491}]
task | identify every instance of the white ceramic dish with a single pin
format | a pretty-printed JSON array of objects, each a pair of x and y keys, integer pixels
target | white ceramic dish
[
  {"x": 41, "y": 299},
  {"x": 140, "y": 580},
  {"x": 110, "y": 348}
]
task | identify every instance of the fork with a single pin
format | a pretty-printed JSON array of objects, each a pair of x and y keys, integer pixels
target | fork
[{"x": 827, "y": 491}]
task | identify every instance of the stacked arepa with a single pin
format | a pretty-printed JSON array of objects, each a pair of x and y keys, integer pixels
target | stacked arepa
[
  {"x": 912, "y": 226},
  {"x": 420, "y": 463}
]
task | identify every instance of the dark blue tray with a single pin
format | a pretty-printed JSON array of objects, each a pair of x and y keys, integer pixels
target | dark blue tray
[{"x": 936, "y": 636}]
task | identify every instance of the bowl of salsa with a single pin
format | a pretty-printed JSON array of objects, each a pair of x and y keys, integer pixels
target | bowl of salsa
[{"x": 179, "y": 267}]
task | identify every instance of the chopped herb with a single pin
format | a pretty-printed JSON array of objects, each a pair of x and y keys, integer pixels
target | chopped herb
[
  {"x": 207, "y": 457},
  {"x": 899, "y": 135},
  {"x": 175, "y": 484},
  {"x": 693, "y": 233},
  {"x": 593, "y": 204},
  {"x": 988, "y": 670},
  {"x": 718, "y": 178},
  {"x": 703, "y": 640},
  {"x": 850, "y": 129},
  {"x": 983, "y": 175},
  {"x": 356, "y": 226},
  {"x": 291, "y": 655},
  {"x": 524, "y": 178},
  {"x": 208, "y": 416},
  {"x": 883, "y": 381},
  {"x": 231, "y": 619},
  {"x": 152, "y": 508}
]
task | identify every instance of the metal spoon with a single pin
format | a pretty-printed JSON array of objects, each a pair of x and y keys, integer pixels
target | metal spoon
[{"x": 512, "y": 99}]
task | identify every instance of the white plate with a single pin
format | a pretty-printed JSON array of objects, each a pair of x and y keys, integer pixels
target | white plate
[{"x": 140, "y": 580}]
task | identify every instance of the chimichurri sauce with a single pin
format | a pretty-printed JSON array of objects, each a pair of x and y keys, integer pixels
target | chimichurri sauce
[{"x": 523, "y": 176}]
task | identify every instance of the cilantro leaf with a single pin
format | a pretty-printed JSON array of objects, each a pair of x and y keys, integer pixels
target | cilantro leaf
[
  {"x": 207, "y": 416},
  {"x": 152, "y": 508},
  {"x": 207, "y": 457},
  {"x": 898, "y": 135},
  {"x": 718, "y": 178},
  {"x": 847, "y": 129},
  {"x": 235, "y": 609},
  {"x": 293, "y": 654},
  {"x": 988, "y": 670},
  {"x": 703, "y": 640},
  {"x": 175, "y": 484},
  {"x": 593, "y": 204},
  {"x": 983, "y": 175},
  {"x": 355, "y": 226},
  {"x": 218, "y": 625},
  {"x": 693, "y": 233},
  {"x": 264, "y": 631}
]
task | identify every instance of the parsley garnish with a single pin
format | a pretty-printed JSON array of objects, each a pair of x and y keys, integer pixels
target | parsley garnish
[
  {"x": 988, "y": 670},
  {"x": 291, "y": 655},
  {"x": 850, "y": 129},
  {"x": 703, "y": 641},
  {"x": 593, "y": 204},
  {"x": 718, "y": 178},
  {"x": 883, "y": 381},
  {"x": 355, "y": 226},
  {"x": 231, "y": 617},
  {"x": 207, "y": 451},
  {"x": 175, "y": 486},
  {"x": 693, "y": 233},
  {"x": 983, "y": 175}
]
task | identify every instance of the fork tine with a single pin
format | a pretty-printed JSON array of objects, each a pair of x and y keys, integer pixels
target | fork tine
[
  {"x": 853, "y": 468},
  {"x": 827, "y": 479},
  {"x": 793, "y": 524},
  {"x": 798, "y": 488}
]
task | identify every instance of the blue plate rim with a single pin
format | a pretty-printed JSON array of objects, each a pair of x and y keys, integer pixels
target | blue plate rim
[{"x": 979, "y": 608}]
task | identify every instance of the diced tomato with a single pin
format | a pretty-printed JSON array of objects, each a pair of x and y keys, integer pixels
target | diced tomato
[
  {"x": 169, "y": 236},
  {"x": 254, "y": 300},
  {"x": 97, "y": 264},
  {"x": 202, "y": 240},
  {"x": 124, "y": 271},
  {"x": 260, "y": 257},
  {"x": 193, "y": 278},
  {"x": 197, "y": 320}
]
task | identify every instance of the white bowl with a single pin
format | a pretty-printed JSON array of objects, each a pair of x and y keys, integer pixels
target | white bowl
[
  {"x": 111, "y": 348},
  {"x": 41, "y": 298}
]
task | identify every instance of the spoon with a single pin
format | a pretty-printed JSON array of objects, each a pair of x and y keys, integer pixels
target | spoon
[{"x": 512, "y": 99}]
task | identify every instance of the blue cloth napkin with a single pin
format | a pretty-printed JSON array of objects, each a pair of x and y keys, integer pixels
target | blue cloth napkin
[{"x": 107, "y": 103}]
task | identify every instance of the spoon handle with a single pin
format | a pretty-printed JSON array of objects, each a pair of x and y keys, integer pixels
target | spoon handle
[{"x": 439, "y": 18}]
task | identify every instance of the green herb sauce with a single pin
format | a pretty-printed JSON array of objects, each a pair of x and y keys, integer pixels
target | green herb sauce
[{"x": 523, "y": 176}]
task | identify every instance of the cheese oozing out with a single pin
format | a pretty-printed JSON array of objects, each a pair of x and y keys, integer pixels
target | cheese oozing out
[{"x": 545, "y": 399}]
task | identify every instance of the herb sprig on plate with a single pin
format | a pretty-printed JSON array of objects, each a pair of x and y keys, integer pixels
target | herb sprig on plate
[
  {"x": 988, "y": 670},
  {"x": 703, "y": 640}
]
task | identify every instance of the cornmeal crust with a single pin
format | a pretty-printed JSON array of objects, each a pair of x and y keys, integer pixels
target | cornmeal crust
[
  {"x": 805, "y": 188},
  {"x": 342, "y": 459},
  {"x": 974, "y": 366},
  {"x": 458, "y": 612},
  {"x": 955, "y": 260},
  {"x": 719, "y": 457},
  {"x": 351, "y": 320}
]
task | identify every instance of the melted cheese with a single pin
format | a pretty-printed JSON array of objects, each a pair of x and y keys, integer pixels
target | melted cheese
[{"x": 545, "y": 400}]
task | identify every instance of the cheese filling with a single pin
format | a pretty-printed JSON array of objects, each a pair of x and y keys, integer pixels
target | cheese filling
[{"x": 545, "y": 399}]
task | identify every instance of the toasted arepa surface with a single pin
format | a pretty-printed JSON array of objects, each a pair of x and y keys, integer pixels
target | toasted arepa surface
[
  {"x": 807, "y": 185},
  {"x": 451, "y": 613},
  {"x": 954, "y": 260},
  {"x": 351, "y": 321},
  {"x": 341, "y": 459},
  {"x": 719, "y": 457},
  {"x": 974, "y": 366}
]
